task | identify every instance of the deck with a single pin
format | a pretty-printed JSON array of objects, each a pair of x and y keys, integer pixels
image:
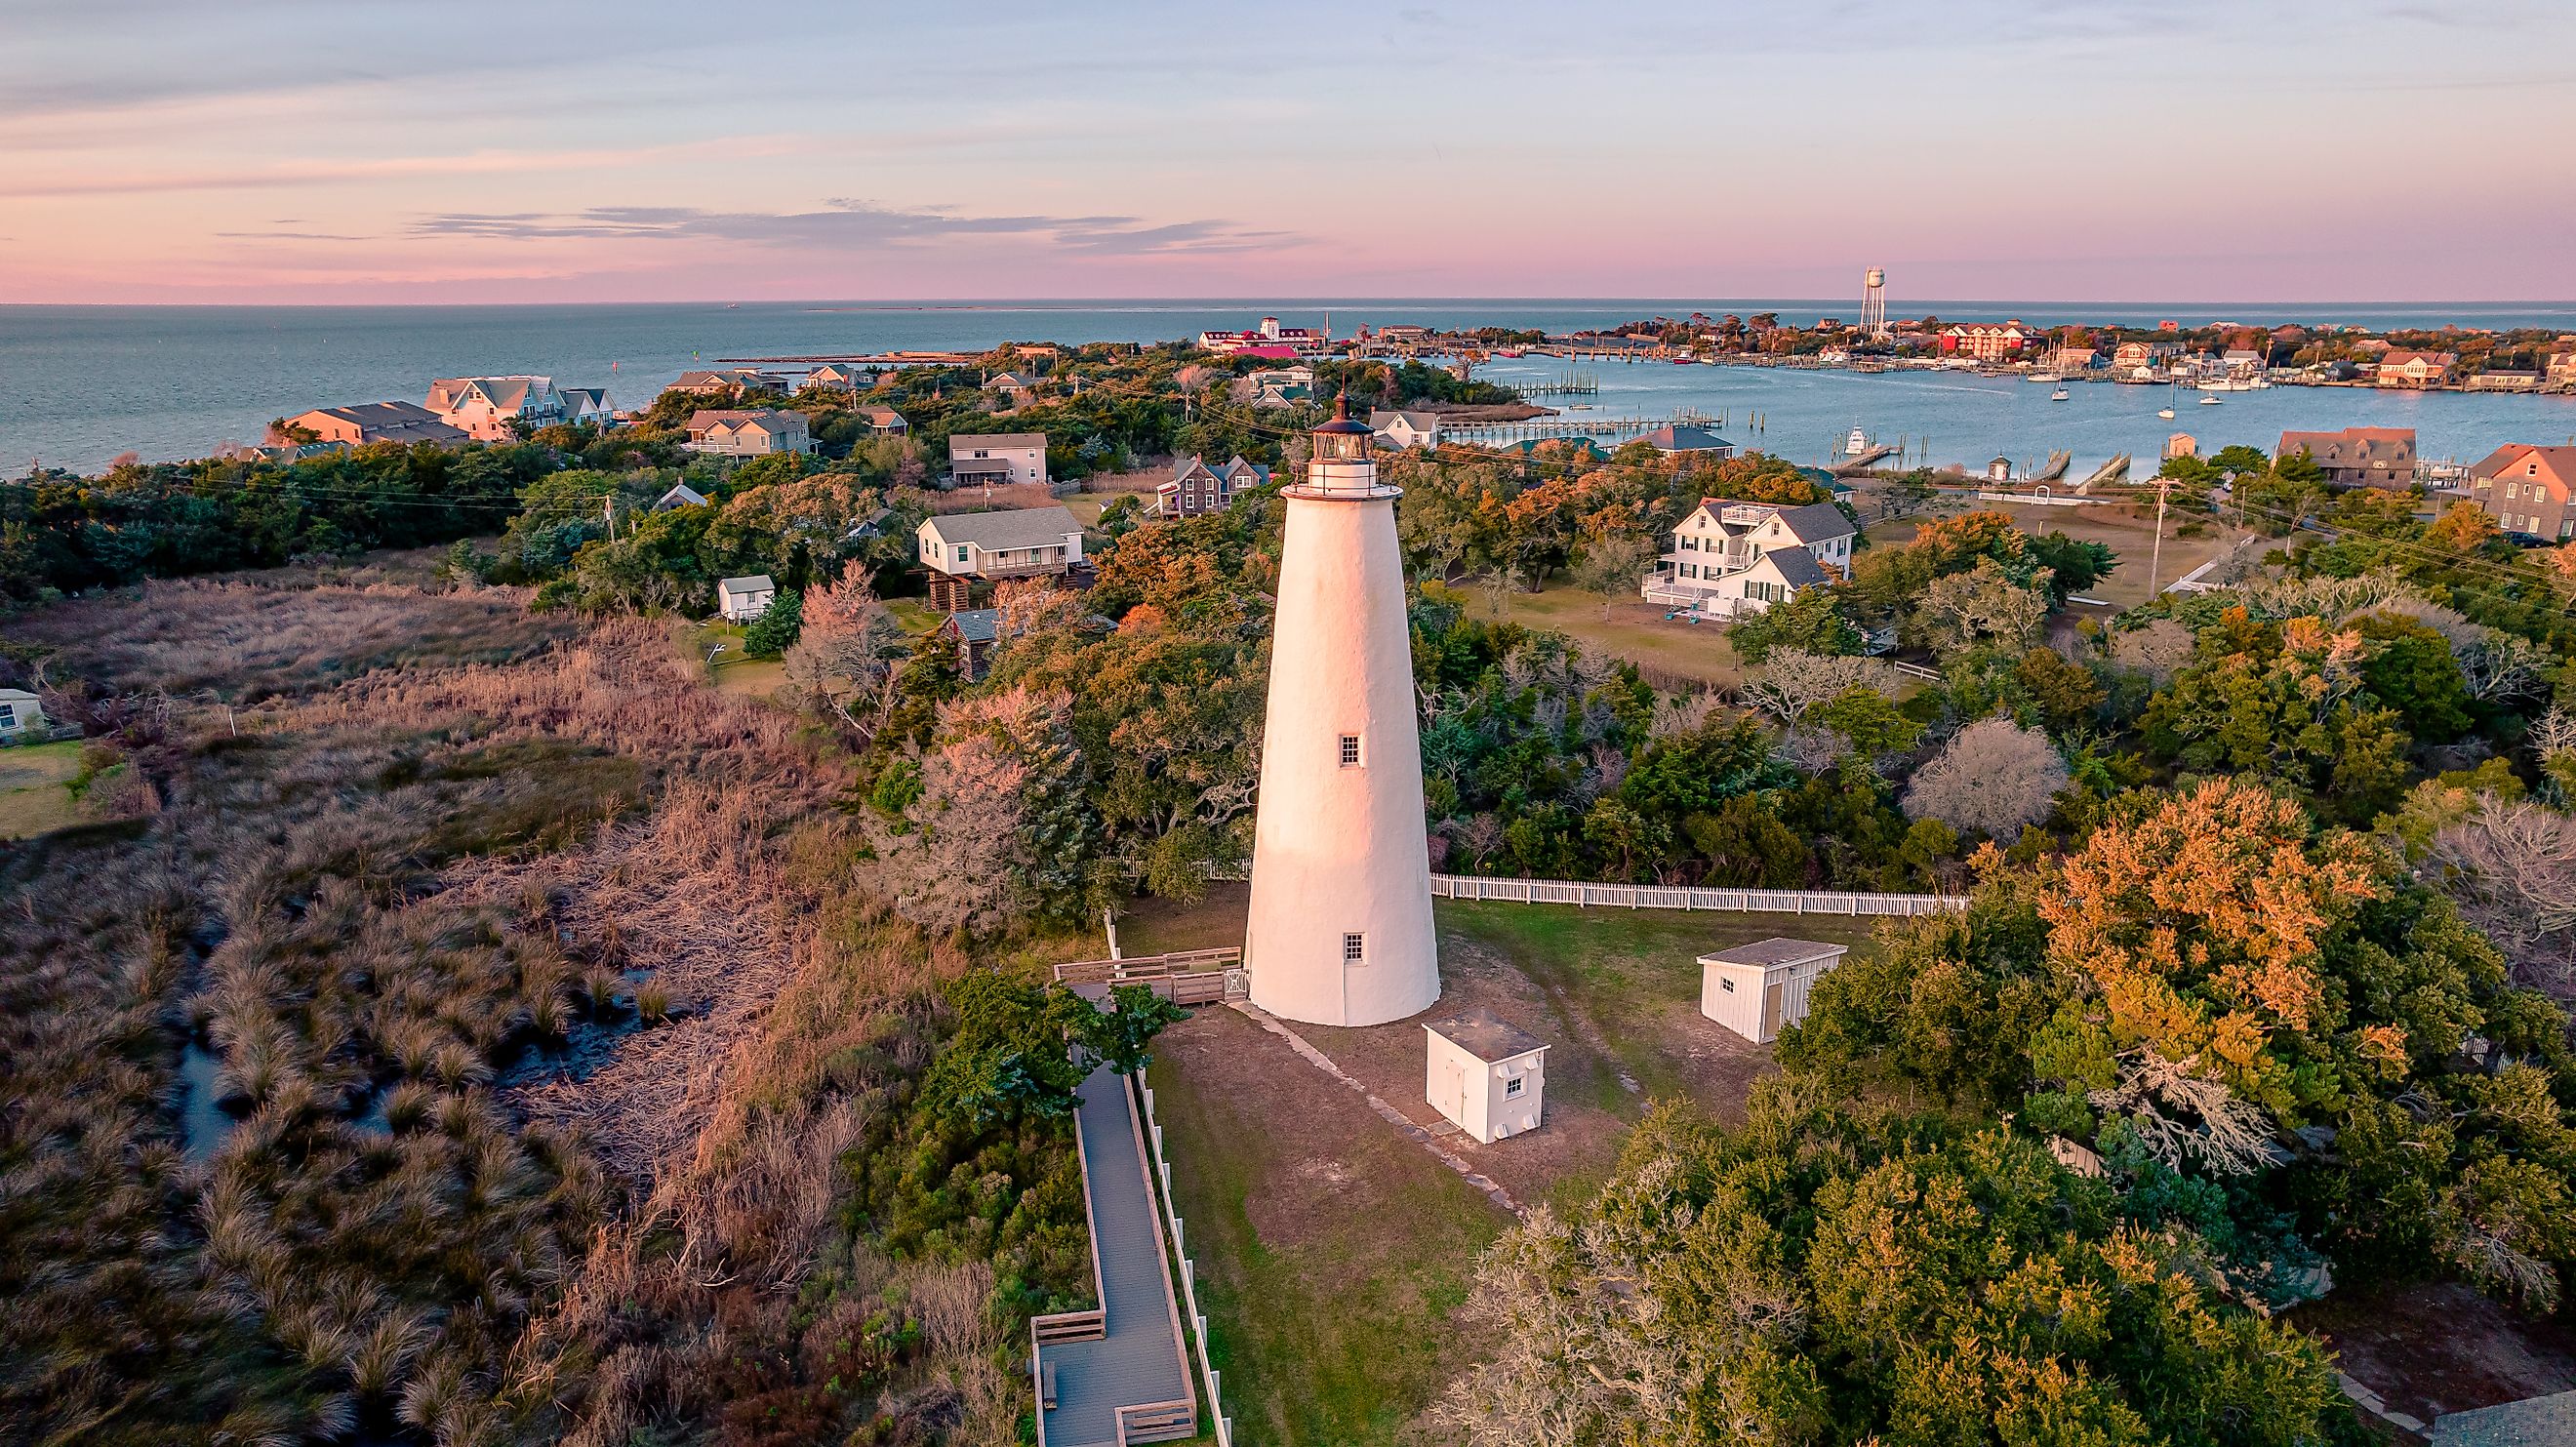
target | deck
[{"x": 1129, "y": 1383}]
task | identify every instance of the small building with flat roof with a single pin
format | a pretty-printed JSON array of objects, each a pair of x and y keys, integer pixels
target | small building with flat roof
[
  {"x": 1757, "y": 990},
  {"x": 1485, "y": 1074}
]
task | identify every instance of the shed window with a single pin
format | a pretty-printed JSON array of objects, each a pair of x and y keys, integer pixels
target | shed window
[
  {"x": 8, "y": 715},
  {"x": 1727, "y": 986},
  {"x": 1513, "y": 1086},
  {"x": 1354, "y": 949},
  {"x": 1351, "y": 758}
]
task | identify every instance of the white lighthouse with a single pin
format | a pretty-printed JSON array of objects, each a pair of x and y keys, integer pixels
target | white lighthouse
[{"x": 1340, "y": 932}]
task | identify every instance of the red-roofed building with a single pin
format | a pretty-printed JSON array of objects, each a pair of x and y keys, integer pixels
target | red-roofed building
[{"x": 1989, "y": 341}]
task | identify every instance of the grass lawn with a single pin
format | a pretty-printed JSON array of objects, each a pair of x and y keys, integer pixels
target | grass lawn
[
  {"x": 2129, "y": 532},
  {"x": 731, "y": 672},
  {"x": 1618, "y": 969},
  {"x": 1669, "y": 650},
  {"x": 1331, "y": 1250},
  {"x": 915, "y": 615},
  {"x": 34, "y": 798}
]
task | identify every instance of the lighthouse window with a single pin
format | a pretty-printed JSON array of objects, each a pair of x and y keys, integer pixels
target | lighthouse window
[
  {"x": 1354, "y": 949},
  {"x": 1351, "y": 758}
]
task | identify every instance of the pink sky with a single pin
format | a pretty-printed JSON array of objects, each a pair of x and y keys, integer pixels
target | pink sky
[{"x": 285, "y": 151}]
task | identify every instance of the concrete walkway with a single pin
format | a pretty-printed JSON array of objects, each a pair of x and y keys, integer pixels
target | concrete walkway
[{"x": 1139, "y": 1361}]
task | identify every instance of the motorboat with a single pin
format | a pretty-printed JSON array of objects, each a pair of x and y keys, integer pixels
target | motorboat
[
  {"x": 2209, "y": 401},
  {"x": 2058, "y": 396}
]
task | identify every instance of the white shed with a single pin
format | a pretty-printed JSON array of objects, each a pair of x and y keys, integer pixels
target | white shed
[
  {"x": 1758, "y": 989},
  {"x": 22, "y": 716},
  {"x": 1485, "y": 1075},
  {"x": 742, "y": 599}
]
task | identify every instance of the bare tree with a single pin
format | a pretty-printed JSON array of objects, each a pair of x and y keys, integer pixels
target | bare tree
[
  {"x": 2159, "y": 650},
  {"x": 1793, "y": 681},
  {"x": 2181, "y": 1115},
  {"x": 1994, "y": 775},
  {"x": 845, "y": 655},
  {"x": 1684, "y": 713},
  {"x": 2512, "y": 867},
  {"x": 1983, "y": 604},
  {"x": 960, "y": 863}
]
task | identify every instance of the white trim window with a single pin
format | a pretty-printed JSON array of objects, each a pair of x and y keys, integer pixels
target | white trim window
[
  {"x": 1512, "y": 1085},
  {"x": 1355, "y": 949},
  {"x": 1350, "y": 751}
]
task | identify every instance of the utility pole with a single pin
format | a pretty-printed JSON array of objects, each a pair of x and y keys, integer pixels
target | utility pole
[
  {"x": 2156, "y": 558},
  {"x": 608, "y": 513}
]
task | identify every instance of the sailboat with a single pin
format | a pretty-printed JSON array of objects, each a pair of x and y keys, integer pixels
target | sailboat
[
  {"x": 2168, "y": 411},
  {"x": 2057, "y": 396}
]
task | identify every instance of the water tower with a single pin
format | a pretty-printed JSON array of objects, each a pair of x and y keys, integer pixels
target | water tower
[
  {"x": 1340, "y": 930},
  {"x": 1873, "y": 302}
]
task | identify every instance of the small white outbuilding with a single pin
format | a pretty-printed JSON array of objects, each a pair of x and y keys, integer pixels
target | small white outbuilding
[
  {"x": 22, "y": 717},
  {"x": 1757, "y": 990},
  {"x": 742, "y": 599},
  {"x": 1485, "y": 1075}
]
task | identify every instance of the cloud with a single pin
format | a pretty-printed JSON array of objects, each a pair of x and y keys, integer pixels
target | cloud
[
  {"x": 857, "y": 226},
  {"x": 381, "y": 168}
]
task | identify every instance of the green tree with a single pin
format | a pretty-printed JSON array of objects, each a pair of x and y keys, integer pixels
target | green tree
[
  {"x": 1811, "y": 621},
  {"x": 778, "y": 626}
]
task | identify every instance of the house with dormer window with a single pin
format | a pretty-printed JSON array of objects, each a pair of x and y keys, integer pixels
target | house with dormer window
[{"x": 1731, "y": 558}]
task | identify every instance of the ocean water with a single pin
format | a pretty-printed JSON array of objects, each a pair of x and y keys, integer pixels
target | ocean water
[
  {"x": 81, "y": 385},
  {"x": 1959, "y": 417}
]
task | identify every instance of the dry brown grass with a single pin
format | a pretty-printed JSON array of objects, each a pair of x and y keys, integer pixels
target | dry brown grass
[{"x": 248, "y": 640}]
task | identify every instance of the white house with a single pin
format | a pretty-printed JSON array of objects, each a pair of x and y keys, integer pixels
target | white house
[
  {"x": 22, "y": 717},
  {"x": 1029, "y": 542},
  {"x": 1758, "y": 989},
  {"x": 997, "y": 457},
  {"x": 484, "y": 407},
  {"x": 1010, "y": 389},
  {"x": 731, "y": 433},
  {"x": 680, "y": 495},
  {"x": 1406, "y": 428},
  {"x": 742, "y": 599},
  {"x": 587, "y": 404},
  {"x": 1282, "y": 386},
  {"x": 1730, "y": 558},
  {"x": 1485, "y": 1075}
]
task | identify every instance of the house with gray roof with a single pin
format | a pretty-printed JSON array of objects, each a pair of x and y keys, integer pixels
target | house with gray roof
[
  {"x": 1697, "y": 443},
  {"x": 1197, "y": 489},
  {"x": 962, "y": 549},
  {"x": 997, "y": 457},
  {"x": 1732, "y": 558},
  {"x": 1406, "y": 427},
  {"x": 363, "y": 424}
]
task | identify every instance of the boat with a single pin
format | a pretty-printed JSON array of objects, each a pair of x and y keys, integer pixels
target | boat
[
  {"x": 1512, "y": 352},
  {"x": 2049, "y": 377},
  {"x": 1856, "y": 444},
  {"x": 2057, "y": 396},
  {"x": 2209, "y": 401},
  {"x": 2168, "y": 411}
]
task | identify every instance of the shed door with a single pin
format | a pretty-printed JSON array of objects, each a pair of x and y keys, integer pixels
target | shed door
[
  {"x": 1771, "y": 992},
  {"x": 1457, "y": 1092}
]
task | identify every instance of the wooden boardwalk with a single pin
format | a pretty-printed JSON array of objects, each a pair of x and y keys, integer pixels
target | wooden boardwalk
[{"x": 1130, "y": 1382}]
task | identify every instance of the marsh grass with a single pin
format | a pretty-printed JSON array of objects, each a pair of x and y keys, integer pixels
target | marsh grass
[{"x": 739, "y": 1229}]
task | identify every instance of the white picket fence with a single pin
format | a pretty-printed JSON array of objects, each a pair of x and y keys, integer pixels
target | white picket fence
[
  {"x": 1668, "y": 896},
  {"x": 1189, "y": 1269}
]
